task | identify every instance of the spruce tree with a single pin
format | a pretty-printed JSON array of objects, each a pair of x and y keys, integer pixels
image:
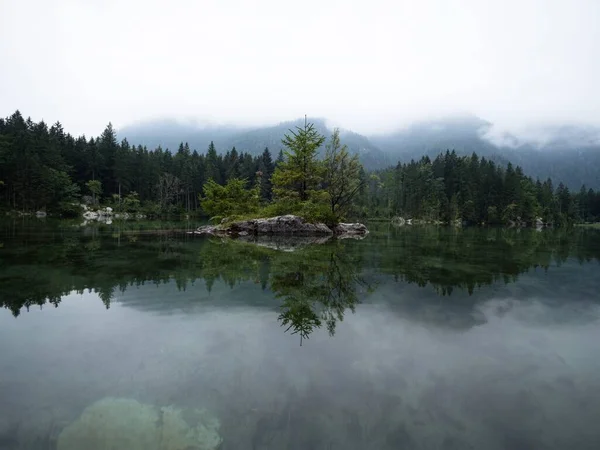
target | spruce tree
[{"x": 301, "y": 172}]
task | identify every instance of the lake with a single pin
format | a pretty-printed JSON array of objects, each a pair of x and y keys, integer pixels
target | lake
[{"x": 142, "y": 336}]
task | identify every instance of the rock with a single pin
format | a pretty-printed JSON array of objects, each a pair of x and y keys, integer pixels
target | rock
[
  {"x": 90, "y": 215},
  {"x": 279, "y": 225},
  {"x": 350, "y": 229},
  {"x": 210, "y": 230},
  {"x": 399, "y": 221},
  {"x": 140, "y": 216},
  {"x": 108, "y": 211},
  {"x": 288, "y": 225},
  {"x": 40, "y": 214},
  {"x": 539, "y": 223},
  {"x": 121, "y": 423}
]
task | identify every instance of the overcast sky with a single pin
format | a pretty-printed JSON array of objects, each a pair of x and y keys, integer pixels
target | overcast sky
[{"x": 366, "y": 65}]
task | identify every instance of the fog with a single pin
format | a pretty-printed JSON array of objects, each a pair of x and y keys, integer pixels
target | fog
[{"x": 367, "y": 66}]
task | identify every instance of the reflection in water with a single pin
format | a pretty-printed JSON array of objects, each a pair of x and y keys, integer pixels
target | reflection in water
[
  {"x": 40, "y": 268},
  {"x": 481, "y": 339}
]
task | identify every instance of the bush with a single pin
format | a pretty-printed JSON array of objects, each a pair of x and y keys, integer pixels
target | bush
[
  {"x": 318, "y": 212},
  {"x": 69, "y": 210},
  {"x": 231, "y": 199}
]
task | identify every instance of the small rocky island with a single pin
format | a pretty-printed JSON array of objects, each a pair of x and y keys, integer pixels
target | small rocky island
[{"x": 288, "y": 225}]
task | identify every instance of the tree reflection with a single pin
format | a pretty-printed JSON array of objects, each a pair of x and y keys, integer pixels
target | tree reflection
[
  {"x": 318, "y": 289},
  {"x": 316, "y": 282}
]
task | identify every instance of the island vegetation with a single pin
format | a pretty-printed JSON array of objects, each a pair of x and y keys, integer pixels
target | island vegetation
[{"x": 46, "y": 169}]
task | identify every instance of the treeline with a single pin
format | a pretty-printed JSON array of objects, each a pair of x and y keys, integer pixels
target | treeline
[
  {"x": 475, "y": 190},
  {"x": 45, "y": 168}
]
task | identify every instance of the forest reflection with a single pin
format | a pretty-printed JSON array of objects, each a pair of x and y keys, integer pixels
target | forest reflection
[{"x": 314, "y": 283}]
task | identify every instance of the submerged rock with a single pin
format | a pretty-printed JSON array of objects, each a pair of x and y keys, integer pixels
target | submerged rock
[{"x": 126, "y": 424}]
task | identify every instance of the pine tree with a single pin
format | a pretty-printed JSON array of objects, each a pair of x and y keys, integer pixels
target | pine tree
[
  {"x": 212, "y": 169},
  {"x": 300, "y": 173},
  {"x": 266, "y": 168}
]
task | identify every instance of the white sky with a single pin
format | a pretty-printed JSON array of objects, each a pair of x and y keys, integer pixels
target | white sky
[{"x": 367, "y": 65}]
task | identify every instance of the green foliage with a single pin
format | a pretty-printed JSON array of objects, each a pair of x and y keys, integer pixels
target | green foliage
[
  {"x": 510, "y": 213},
  {"x": 95, "y": 188},
  {"x": 68, "y": 210},
  {"x": 42, "y": 167},
  {"x": 131, "y": 202},
  {"x": 342, "y": 176},
  {"x": 472, "y": 189},
  {"x": 317, "y": 211},
  {"x": 232, "y": 199},
  {"x": 300, "y": 173},
  {"x": 57, "y": 188},
  {"x": 492, "y": 215}
]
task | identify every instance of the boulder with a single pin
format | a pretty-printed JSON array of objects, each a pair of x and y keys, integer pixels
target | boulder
[
  {"x": 288, "y": 224},
  {"x": 539, "y": 223},
  {"x": 210, "y": 230},
  {"x": 104, "y": 212},
  {"x": 350, "y": 229},
  {"x": 90, "y": 215},
  {"x": 40, "y": 214}
]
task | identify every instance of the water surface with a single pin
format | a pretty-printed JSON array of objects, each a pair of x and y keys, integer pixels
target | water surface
[{"x": 413, "y": 338}]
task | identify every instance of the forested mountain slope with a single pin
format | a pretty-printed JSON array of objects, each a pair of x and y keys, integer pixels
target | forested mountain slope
[
  {"x": 569, "y": 154},
  {"x": 169, "y": 134}
]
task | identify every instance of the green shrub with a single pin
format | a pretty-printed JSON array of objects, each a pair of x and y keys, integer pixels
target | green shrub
[{"x": 69, "y": 210}]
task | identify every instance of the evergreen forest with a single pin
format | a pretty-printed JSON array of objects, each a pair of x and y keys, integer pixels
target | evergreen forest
[{"x": 44, "y": 168}]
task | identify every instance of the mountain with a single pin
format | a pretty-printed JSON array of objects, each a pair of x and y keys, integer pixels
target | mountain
[
  {"x": 568, "y": 154},
  {"x": 169, "y": 134},
  {"x": 463, "y": 134}
]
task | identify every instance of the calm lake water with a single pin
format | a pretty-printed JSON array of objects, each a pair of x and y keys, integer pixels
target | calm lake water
[{"x": 412, "y": 338}]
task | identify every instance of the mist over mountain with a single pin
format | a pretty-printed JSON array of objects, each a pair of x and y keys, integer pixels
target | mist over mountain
[
  {"x": 169, "y": 134},
  {"x": 566, "y": 153}
]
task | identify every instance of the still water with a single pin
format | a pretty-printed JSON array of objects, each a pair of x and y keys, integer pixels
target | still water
[{"x": 121, "y": 338}]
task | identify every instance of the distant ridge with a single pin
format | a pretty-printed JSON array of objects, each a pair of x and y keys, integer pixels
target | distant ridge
[{"x": 568, "y": 153}]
